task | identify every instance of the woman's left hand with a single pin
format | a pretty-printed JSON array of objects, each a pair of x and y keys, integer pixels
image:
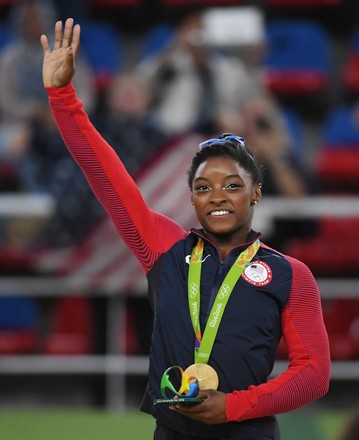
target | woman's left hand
[{"x": 211, "y": 411}]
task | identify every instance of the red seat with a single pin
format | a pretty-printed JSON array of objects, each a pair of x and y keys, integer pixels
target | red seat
[
  {"x": 200, "y": 2},
  {"x": 338, "y": 167},
  {"x": 341, "y": 317},
  {"x": 331, "y": 251},
  {"x": 351, "y": 64},
  {"x": 21, "y": 341},
  {"x": 115, "y": 3},
  {"x": 72, "y": 327},
  {"x": 305, "y": 4},
  {"x": 351, "y": 72}
]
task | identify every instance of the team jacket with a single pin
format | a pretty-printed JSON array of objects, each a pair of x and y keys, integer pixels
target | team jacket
[{"x": 276, "y": 295}]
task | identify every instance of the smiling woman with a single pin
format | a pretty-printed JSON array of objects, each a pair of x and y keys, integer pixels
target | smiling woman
[
  {"x": 228, "y": 304},
  {"x": 225, "y": 181}
]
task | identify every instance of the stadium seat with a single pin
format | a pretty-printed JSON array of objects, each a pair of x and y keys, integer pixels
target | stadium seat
[
  {"x": 337, "y": 161},
  {"x": 18, "y": 325},
  {"x": 304, "y": 4},
  {"x": 115, "y": 3},
  {"x": 102, "y": 47},
  {"x": 201, "y": 2},
  {"x": 341, "y": 317},
  {"x": 72, "y": 327},
  {"x": 295, "y": 129},
  {"x": 298, "y": 58},
  {"x": 156, "y": 39},
  {"x": 351, "y": 65},
  {"x": 6, "y": 35},
  {"x": 330, "y": 252}
]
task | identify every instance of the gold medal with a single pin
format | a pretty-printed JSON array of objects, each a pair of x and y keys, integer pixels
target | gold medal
[{"x": 205, "y": 374}]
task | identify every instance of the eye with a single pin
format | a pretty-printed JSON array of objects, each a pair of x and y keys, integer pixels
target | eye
[
  {"x": 232, "y": 186},
  {"x": 202, "y": 188}
]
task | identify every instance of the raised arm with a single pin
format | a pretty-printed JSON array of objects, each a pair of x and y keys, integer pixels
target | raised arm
[{"x": 147, "y": 233}]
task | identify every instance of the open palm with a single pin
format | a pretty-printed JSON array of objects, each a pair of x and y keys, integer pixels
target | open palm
[{"x": 59, "y": 64}]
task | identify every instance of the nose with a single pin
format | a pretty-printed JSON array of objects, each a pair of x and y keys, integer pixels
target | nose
[{"x": 218, "y": 195}]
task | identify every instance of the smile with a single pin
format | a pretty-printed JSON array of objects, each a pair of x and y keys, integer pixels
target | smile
[{"x": 219, "y": 213}]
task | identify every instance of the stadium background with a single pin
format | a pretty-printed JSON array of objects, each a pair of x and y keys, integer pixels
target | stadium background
[{"x": 74, "y": 405}]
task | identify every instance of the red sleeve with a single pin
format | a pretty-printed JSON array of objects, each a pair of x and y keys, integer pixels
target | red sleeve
[
  {"x": 147, "y": 233},
  {"x": 308, "y": 374}
]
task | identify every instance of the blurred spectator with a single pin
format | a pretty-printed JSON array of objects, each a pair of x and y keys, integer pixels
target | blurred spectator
[
  {"x": 14, "y": 139},
  {"x": 128, "y": 122},
  {"x": 22, "y": 96},
  {"x": 193, "y": 82},
  {"x": 262, "y": 124},
  {"x": 29, "y": 140}
]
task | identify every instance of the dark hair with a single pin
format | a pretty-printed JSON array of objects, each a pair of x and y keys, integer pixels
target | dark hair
[{"x": 231, "y": 148}]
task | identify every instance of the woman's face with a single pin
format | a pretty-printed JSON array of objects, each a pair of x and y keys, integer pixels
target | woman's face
[{"x": 223, "y": 195}]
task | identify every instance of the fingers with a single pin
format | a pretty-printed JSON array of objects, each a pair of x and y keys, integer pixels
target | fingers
[
  {"x": 76, "y": 39},
  {"x": 66, "y": 42},
  {"x": 69, "y": 36},
  {"x": 58, "y": 35},
  {"x": 45, "y": 44}
]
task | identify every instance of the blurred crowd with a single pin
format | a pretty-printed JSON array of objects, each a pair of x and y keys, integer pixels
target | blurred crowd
[
  {"x": 183, "y": 86},
  {"x": 148, "y": 89}
]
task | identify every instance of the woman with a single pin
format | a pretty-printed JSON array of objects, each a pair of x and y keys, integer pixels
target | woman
[{"x": 192, "y": 275}]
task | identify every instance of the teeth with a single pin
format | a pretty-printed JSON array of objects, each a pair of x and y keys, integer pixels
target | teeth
[{"x": 219, "y": 212}]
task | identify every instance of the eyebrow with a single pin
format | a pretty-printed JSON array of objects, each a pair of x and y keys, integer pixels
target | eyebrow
[{"x": 231, "y": 176}]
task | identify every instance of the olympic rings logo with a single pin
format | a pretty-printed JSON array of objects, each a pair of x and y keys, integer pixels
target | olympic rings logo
[
  {"x": 225, "y": 290},
  {"x": 193, "y": 290}
]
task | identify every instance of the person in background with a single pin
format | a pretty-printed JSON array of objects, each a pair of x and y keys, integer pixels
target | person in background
[
  {"x": 127, "y": 119},
  {"x": 21, "y": 98},
  {"x": 219, "y": 277},
  {"x": 37, "y": 155},
  {"x": 193, "y": 81},
  {"x": 262, "y": 124}
]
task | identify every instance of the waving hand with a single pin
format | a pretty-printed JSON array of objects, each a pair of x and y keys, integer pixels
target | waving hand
[{"x": 59, "y": 64}]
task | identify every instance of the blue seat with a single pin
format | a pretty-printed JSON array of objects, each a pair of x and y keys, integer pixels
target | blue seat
[
  {"x": 6, "y": 35},
  {"x": 340, "y": 129},
  {"x": 337, "y": 160},
  {"x": 295, "y": 129},
  {"x": 19, "y": 320},
  {"x": 156, "y": 39},
  {"x": 103, "y": 49},
  {"x": 298, "y": 59}
]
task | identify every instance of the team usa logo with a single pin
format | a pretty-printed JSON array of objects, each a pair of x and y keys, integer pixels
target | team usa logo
[{"x": 258, "y": 273}]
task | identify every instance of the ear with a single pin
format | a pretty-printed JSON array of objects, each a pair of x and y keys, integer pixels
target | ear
[
  {"x": 257, "y": 194},
  {"x": 192, "y": 199}
]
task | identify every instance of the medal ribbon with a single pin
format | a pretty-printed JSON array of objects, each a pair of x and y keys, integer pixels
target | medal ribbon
[{"x": 203, "y": 345}]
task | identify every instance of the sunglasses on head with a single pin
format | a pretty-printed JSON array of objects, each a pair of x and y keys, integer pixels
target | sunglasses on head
[{"x": 209, "y": 142}]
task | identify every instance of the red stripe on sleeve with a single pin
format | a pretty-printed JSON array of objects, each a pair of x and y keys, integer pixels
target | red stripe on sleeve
[{"x": 308, "y": 374}]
